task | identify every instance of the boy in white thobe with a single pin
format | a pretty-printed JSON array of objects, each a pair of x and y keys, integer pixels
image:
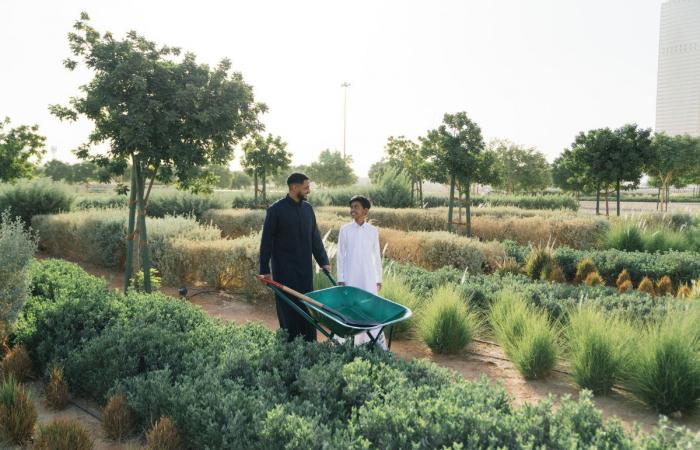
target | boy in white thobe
[{"x": 359, "y": 260}]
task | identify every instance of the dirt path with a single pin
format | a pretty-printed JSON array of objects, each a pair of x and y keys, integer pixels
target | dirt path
[{"x": 478, "y": 360}]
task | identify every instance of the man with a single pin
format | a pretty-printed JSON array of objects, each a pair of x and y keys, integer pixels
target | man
[
  {"x": 359, "y": 259},
  {"x": 290, "y": 237}
]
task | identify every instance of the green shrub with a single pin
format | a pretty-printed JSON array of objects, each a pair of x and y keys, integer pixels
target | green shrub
[
  {"x": 539, "y": 263},
  {"x": 626, "y": 237},
  {"x": 102, "y": 202},
  {"x": 526, "y": 335},
  {"x": 17, "y": 413},
  {"x": 519, "y": 201},
  {"x": 62, "y": 434},
  {"x": 395, "y": 289},
  {"x": 17, "y": 247},
  {"x": 235, "y": 223},
  {"x": 446, "y": 324},
  {"x": 599, "y": 349},
  {"x": 181, "y": 203},
  {"x": 394, "y": 189},
  {"x": 29, "y": 198},
  {"x": 666, "y": 365}
]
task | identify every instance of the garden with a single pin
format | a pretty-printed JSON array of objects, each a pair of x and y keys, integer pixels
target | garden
[{"x": 103, "y": 283}]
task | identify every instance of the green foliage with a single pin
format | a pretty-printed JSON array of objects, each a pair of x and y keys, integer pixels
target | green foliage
[
  {"x": 263, "y": 158},
  {"x": 17, "y": 413},
  {"x": 62, "y": 434},
  {"x": 240, "y": 180},
  {"x": 553, "y": 202},
  {"x": 395, "y": 189},
  {"x": 82, "y": 172},
  {"x": 17, "y": 248},
  {"x": 101, "y": 202},
  {"x": 666, "y": 364},
  {"x": 229, "y": 386},
  {"x": 539, "y": 263},
  {"x": 598, "y": 349},
  {"x": 179, "y": 203},
  {"x": 29, "y": 198},
  {"x": 20, "y": 149},
  {"x": 332, "y": 169},
  {"x": 520, "y": 169},
  {"x": 446, "y": 324},
  {"x": 624, "y": 237},
  {"x": 395, "y": 289},
  {"x": 525, "y": 334},
  {"x": 138, "y": 281}
]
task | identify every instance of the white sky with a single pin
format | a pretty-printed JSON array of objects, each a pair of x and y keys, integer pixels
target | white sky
[{"x": 533, "y": 71}]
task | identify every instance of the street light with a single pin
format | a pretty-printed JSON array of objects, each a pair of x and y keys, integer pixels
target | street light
[{"x": 345, "y": 87}]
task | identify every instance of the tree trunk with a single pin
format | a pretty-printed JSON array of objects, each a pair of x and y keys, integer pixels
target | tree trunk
[
  {"x": 413, "y": 189},
  {"x": 143, "y": 235},
  {"x": 450, "y": 203},
  {"x": 618, "y": 197},
  {"x": 469, "y": 209},
  {"x": 607, "y": 208},
  {"x": 129, "y": 269},
  {"x": 597, "y": 201},
  {"x": 255, "y": 182},
  {"x": 668, "y": 194},
  {"x": 420, "y": 192},
  {"x": 658, "y": 198},
  {"x": 264, "y": 188}
]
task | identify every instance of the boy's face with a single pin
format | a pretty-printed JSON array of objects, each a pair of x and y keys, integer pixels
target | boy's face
[{"x": 357, "y": 211}]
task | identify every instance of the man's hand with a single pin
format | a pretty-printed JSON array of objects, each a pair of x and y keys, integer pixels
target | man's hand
[
  {"x": 327, "y": 268},
  {"x": 379, "y": 287},
  {"x": 341, "y": 283},
  {"x": 267, "y": 276}
]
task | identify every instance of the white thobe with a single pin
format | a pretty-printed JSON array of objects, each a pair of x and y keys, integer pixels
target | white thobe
[{"x": 359, "y": 263}]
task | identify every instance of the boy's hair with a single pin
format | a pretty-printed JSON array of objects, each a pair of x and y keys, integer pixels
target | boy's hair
[
  {"x": 364, "y": 201},
  {"x": 296, "y": 178}
]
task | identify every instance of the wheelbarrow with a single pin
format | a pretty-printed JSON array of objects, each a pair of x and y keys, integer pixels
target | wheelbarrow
[{"x": 344, "y": 311}]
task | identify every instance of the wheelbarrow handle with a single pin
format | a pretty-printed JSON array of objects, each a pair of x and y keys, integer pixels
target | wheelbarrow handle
[{"x": 330, "y": 277}]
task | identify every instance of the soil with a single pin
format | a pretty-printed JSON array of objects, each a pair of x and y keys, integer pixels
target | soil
[{"x": 480, "y": 359}]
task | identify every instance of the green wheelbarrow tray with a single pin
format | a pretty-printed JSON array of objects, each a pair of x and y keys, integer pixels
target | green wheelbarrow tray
[{"x": 356, "y": 304}]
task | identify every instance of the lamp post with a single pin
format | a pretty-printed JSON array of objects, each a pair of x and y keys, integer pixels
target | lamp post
[{"x": 345, "y": 86}]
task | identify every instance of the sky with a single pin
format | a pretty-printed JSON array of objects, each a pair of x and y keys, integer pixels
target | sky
[{"x": 535, "y": 72}]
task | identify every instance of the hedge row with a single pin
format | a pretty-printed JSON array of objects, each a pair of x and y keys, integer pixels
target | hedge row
[
  {"x": 519, "y": 201},
  {"x": 227, "y": 386}
]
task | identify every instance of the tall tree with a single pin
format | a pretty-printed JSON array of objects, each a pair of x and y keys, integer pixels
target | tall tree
[
  {"x": 223, "y": 175},
  {"x": 628, "y": 156},
  {"x": 671, "y": 159},
  {"x": 168, "y": 115},
  {"x": 406, "y": 155},
  {"x": 378, "y": 169},
  {"x": 264, "y": 157},
  {"x": 569, "y": 176},
  {"x": 240, "y": 180},
  {"x": 21, "y": 148},
  {"x": 332, "y": 169},
  {"x": 520, "y": 169},
  {"x": 454, "y": 152}
]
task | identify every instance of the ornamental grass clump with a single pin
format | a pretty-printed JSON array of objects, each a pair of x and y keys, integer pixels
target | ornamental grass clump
[
  {"x": 646, "y": 286},
  {"x": 17, "y": 413},
  {"x": 163, "y": 436},
  {"x": 526, "y": 335},
  {"x": 666, "y": 364},
  {"x": 447, "y": 325},
  {"x": 117, "y": 419},
  {"x": 664, "y": 286},
  {"x": 62, "y": 434},
  {"x": 396, "y": 289},
  {"x": 622, "y": 278},
  {"x": 583, "y": 268},
  {"x": 539, "y": 263},
  {"x": 598, "y": 348},
  {"x": 57, "y": 392},
  {"x": 17, "y": 364},
  {"x": 594, "y": 279},
  {"x": 625, "y": 286}
]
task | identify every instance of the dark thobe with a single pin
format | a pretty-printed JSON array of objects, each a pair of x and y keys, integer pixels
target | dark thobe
[{"x": 289, "y": 239}]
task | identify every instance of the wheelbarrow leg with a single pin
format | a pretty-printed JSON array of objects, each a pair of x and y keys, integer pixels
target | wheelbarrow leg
[{"x": 373, "y": 339}]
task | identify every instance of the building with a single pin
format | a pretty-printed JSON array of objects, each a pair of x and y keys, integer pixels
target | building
[{"x": 678, "y": 84}]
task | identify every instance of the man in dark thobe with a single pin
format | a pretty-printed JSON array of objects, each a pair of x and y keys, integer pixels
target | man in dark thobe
[{"x": 290, "y": 237}]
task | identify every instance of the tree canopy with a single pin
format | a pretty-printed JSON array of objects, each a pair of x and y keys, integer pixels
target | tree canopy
[
  {"x": 332, "y": 169},
  {"x": 21, "y": 148},
  {"x": 520, "y": 169}
]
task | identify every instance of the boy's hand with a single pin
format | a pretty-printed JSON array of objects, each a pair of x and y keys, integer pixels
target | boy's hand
[{"x": 341, "y": 283}]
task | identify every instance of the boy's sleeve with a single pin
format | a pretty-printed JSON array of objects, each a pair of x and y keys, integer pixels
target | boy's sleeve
[
  {"x": 340, "y": 257},
  {"x": 377, "y": 258}
]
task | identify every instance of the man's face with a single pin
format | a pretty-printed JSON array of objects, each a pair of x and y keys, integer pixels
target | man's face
[
  {"x": 357, "y": 211},
  {"x": 302, "y": 191}
]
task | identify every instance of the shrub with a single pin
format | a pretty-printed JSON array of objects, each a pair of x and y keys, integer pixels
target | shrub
[
  {"x": 62, "y": 434},
  {"x": 539, "y": 263},
  {"x": 646, "y": 286},
  {"x": 17, "y": 412},
  {"x": 624, "y": 236},
  {"x": 394, "y": 190},
  {"x": 666, "y": 373},
  {"x": 163, "y": 436},
  {"x": 17, "y": 247},
  {"x": 117, "y": 419},
  {"x": 557, "y": 275},
  {"x": 664, "y": 286},
  {"x": 102, "y": 202},
  {"x": 625, "y": 286},
  {"x": 18, "y": 364},
  {"x": 594, "y": 279},
  {"x": 137, "y": 282},
  {"x": 509, "y": 266},
  {"x": 29, "y": 198},
  {"x": 57, "y": 393},
  {"x": 181, "y": 203},
  {"x": 235, "y": 223},
  {"x": 684, "y": 291},
  {"x": 583, "y": 268},
  {"x": 520, "y": 201},
  {"x": 598, "y": 349},
  {"x": 526, "y": 335},
  {"x": 622, "y": 278},
  {"x": 396, "y": 290},
  {"x": 446, "y": 325}
]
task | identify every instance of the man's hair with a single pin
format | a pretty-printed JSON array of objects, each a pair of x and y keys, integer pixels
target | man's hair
[
  {"x": 296, "y": 178},
  {"x": 364, "y": 201}
]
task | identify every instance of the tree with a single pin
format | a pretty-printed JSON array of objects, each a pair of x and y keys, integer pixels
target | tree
[
  {"x": 406, "y": 155},
  {"x": 240, "y": 180},
  {"x": 57, "y": 170},
  {"x": 332, "y": 169},
  {"x": 626, "y": 161},
  {"x": 454, "y": 153},
  {"x": 280, "y": 179},
  {"x": 520, "y": 169},
  {"x": 263, "y": 157},
  {"x": 378, "y": 169},
  {"x": 168, "y": 115},
  {"x": 568, "y": 175},
  {"x": 671, "y": 159},
  {"x": 223, "y": 175},
  {"x": 20, "y": 149}
]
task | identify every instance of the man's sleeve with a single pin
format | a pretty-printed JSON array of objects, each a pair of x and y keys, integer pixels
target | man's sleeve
[
  {"x": 317, "y": 248},
  {"x": 266, "y": 241},
  {"x": 340, "y": 257},
  {"x": 377, "y": 259}
]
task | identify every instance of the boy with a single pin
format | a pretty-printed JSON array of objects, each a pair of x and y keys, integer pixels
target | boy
[{"x": 359, "y": 259}]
